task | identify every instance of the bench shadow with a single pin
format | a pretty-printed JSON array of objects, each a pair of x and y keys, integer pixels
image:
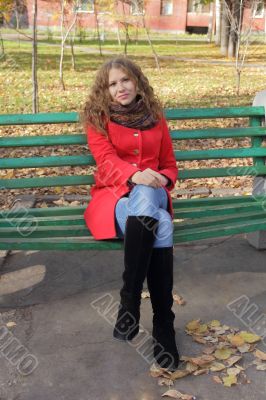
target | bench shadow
[{"x": 36, "y": 277}]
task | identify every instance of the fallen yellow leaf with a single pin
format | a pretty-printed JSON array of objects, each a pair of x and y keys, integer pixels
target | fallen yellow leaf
[
  {"x": 216, "y": 367},
  {"x": 234, "y": 371},
  {"x": 229, "y": 380},
  {"x": 236, "y": 340},
  {"x": 193, "y": 325},
  {"x": 214, "y": 323},
  {"x": 223, "y": 354},
  {"x": 249, "y": 337}
]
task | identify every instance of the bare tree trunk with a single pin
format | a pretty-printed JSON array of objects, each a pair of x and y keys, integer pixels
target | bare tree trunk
[
  {"x": 210, "y": 25},
  {"x": 63, "y": 40},
  {"x": 137, "y": 34},
  {"x": 17, "y": 18},
  {"x": 240, "y": 59},
  {"x": 217, "y": 22},
  {"x": 73, "y": 61},
  {"x": 150, "y": 43},
  {"x": 118, "y": 36},
  {"x": 61, "y": 77},
  {"x": 97, "y": 27},
  {"x": 125, "y": 24},
  {"x": 225, "y": 26},
  {"x": 2, "y": 54},
  {"x": 35, "y": 103},
  {"x": 127, "y": 38},
  {"x": 235, "y": 31},
  {"x": 72, "y": 43}
]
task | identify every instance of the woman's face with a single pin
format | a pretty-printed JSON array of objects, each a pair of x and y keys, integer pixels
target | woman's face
[{"x": 122, "y": 88}]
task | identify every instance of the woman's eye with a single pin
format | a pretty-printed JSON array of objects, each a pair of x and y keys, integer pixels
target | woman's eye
[{"x": 112, "y": 84}]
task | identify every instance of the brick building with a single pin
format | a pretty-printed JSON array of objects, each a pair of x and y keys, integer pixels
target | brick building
[{"x": 161, "y": 15}]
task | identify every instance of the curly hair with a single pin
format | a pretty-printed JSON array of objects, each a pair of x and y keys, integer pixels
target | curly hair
[{"x": 96, "y": 109}]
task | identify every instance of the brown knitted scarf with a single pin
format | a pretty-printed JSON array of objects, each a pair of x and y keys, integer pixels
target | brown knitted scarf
[{"x": 134, "y": 115}]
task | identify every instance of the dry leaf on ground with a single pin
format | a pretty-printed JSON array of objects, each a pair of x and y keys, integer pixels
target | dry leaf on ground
[
  {"x": 175, "y": 394},
  {"x": 229, "y": 380},
  {"x": 165, "y": 382},
  {"x": 10, "y": 324},
  {"x": 249, "y": 337},
  {"x": 223, "y": 353},
  {"x": 179, "y": 300},
  {"x": 232, "y": 360},
  {"x": 217, "y": 379},
  {"x": 260, "y": 354}
]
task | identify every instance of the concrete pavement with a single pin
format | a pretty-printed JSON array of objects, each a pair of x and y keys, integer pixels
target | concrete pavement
[{"x": 49, "y": 297}]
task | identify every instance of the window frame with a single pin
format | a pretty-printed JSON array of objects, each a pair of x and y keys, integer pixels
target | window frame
[
  {"x": 162, "y": 8},
  {"x": 79, "y": 9}
]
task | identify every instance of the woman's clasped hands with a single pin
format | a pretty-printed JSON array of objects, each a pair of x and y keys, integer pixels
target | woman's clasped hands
[{"x": 149, "y": 177}]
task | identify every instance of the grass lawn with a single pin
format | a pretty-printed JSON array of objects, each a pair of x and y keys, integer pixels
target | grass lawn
[{"x": 178, "y": 84}]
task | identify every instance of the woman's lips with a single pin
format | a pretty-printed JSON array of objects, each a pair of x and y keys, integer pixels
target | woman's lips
[{"x": 122, "y": 96}]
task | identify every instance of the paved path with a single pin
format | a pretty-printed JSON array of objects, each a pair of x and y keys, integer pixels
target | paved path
[
  {"x": 49, "y": 295},
  {"x": 88, "y": 50}
]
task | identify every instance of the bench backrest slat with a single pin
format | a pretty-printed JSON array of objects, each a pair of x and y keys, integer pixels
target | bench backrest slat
[
  {"x": 70, "y": 180},
  {"x": 255, "y": 131},
  {"x": 208, "y": 113},
  {"x": 40, "y": 162},
  {"x": 40, "y": 118},
  {"x": 218, "y": 133},
  {"x": 48, "y": 140},
  {"x": 222, "y": 172}
]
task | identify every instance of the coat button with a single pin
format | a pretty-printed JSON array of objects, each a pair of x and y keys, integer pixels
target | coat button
[
  {"x": 136, "y": 151},
  {"x": 135, "y": 165},
  {"x": 136, "y": 134}
]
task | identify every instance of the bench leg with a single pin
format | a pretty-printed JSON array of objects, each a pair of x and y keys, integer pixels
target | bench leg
[{"x": 258, "y": 239}]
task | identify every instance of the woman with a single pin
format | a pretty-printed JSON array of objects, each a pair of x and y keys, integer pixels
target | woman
[{"x": 136, "y": 169}]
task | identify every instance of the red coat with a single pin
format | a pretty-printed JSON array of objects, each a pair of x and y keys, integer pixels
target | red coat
[{"x": 118, "y": 156}]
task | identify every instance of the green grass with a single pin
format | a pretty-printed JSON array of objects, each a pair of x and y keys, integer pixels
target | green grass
[{"x": 178, "y": 84}]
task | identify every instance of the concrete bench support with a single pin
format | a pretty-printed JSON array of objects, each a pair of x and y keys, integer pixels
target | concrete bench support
[{"x": 258, "y": 239}]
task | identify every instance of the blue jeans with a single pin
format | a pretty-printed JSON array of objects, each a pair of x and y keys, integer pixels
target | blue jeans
[{"x": 146, "y": 200}]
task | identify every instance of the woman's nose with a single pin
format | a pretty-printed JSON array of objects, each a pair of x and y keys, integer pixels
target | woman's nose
[{"x": 120, "y": 86}]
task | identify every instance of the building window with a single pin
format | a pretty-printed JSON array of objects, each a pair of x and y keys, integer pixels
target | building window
[
  {"x": 259, "y": 9},
  {"x": 137, "y": 7},
  {"x": 167, "y": 7},
  {"x": 196, "y": 7},
  {"x": 85, "y": 6}
]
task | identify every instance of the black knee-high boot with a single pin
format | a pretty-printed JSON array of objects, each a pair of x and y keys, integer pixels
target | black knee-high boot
[
  {"x": 160, "y": 285},
  {"x": 138, "y": 245}
]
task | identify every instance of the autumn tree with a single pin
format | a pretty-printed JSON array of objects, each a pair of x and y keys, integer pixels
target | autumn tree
[
  {"x": 129, "y": 20},
  {"x": 5, "y": 8}
]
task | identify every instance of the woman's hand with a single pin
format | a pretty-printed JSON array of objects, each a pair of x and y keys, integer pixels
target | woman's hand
[{"x": 150, "y": 178}]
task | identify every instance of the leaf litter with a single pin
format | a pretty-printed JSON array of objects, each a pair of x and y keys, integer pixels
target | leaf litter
[{"x": 223, "y": 357}]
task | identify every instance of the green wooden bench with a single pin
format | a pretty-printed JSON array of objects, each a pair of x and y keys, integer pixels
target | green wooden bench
[{"x": 63, "y": 228}]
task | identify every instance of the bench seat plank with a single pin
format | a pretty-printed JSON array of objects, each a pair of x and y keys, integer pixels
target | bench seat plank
[{"x": 87, "y": 242}]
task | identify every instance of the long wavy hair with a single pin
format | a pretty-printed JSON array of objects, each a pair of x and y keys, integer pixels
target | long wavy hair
[{"x": 96, "y": 109}]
